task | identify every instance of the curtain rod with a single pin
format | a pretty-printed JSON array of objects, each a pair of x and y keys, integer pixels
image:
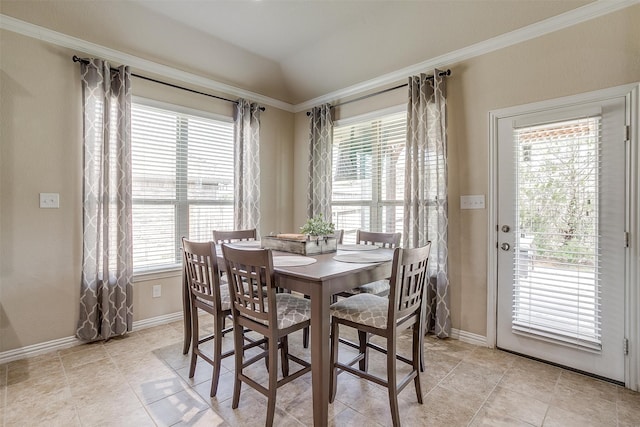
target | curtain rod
[
  {"x": 441, "y": 74},
  {"x": 85, "y": 61}
]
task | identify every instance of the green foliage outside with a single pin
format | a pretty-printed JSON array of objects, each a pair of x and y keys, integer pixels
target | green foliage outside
[{"x": 558, "y": 197}]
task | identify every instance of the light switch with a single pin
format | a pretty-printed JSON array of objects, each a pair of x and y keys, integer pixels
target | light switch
[
  {"x": 49, "y": 200},
  {"x": 472, "y": 202}
]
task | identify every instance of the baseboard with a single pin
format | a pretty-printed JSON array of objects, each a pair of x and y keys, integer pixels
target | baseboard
[
  {"x": 469, "y": 337},
  {"x": 62, "y": 343}
]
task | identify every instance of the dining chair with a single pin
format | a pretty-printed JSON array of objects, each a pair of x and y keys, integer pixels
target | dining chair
[
  {"x": 386, "y": 317},
  {"x": 338, "y": 234},
  {"x": 206, "y": 293},
  {"x": 257, "y": 307},
  {"x": 229, "y": 236},
  {"x": 383, "y": 240}
]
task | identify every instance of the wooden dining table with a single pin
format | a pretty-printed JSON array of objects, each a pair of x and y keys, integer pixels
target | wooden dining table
[{"x": 320, "y": 281}]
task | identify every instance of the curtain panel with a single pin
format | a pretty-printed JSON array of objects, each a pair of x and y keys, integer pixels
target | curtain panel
[
  {"x": 425, "y": 198},
  {"x": 247, "y": 166},
  {"x": 320, "y": 180},
  {"x": 106, "y": 296}
]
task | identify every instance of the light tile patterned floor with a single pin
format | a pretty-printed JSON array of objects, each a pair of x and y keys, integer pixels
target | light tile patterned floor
[{"x": 142, "y": 380}]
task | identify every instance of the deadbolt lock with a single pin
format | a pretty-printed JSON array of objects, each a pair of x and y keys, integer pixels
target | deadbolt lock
[{"x": 506, "y": 228}]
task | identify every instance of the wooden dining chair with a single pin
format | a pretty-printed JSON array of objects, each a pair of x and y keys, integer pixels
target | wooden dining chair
[
  {"x": 256, "y": 306},
  {"x": 209, "y": 295},
  {"x": 386, "y": 317},
  {"x": 383, "y": 240},
  {"x": 229, "y": 236}
]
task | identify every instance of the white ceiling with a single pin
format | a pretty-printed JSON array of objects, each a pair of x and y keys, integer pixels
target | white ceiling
[{"x": 285, "y": 49}]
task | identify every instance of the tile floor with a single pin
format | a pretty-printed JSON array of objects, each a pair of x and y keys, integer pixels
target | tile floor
[{"x": 141, "y": 380}]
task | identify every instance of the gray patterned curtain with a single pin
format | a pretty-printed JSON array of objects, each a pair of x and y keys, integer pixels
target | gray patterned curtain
[
  {"x": 320, "y": 141},
  {"x": 247, "y": 166},
  {"x": 425, "y": 196},
  {"x": 106, "y": 297}
]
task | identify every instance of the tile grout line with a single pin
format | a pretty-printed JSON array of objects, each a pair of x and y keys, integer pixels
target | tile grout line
[
  {"x": 110, "y": 356},
  {"x": 488, "y": 395},
  {"x": 66, "y": 379}
]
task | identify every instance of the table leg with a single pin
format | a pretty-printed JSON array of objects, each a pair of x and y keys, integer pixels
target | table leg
[{"x": 320, "y": 369}]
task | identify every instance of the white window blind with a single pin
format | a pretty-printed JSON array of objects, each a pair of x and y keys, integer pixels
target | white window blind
[
  {"x": 368, "y": 175},
  {"x": 558, "y": 169},
  {"x": 182, "y": 171}
]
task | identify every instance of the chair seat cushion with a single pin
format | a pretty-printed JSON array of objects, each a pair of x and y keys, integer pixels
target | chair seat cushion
[
  {"x": 291, "y": 310},
  {"x": 379, "y": 287},
  {"x": 225, "y": 297},
  {"x": 364, "y": 309}
]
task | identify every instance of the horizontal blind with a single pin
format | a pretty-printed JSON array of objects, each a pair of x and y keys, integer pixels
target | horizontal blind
[
  {"x": 556, "y": 282},
  {"x": 368, "y": 175},
  {"x": 182, "y": 171}
]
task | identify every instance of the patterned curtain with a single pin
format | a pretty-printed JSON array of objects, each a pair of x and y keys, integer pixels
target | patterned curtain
[
  {"x": 320, "y": 141},
  {"x": 247, "y": 166},
  {"x": 106, "y": 297},
  {"x": 425, "y": 197}
]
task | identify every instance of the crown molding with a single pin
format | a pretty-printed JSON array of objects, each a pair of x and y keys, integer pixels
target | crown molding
[
  {"x": 585, "y": 13},
  {"x": 44, "y": 34}
]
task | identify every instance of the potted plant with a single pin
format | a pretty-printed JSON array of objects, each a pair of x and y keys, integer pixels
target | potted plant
[{"x": 317, "y": 227}]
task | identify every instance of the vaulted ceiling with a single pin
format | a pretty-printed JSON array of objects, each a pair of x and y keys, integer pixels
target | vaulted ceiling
[{"x": 292, "y": 51}]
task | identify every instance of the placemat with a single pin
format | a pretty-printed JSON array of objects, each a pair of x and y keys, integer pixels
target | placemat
[
  {"x": 247, "y": 243},
  {"x": 292, "y": 261},
  {"x": 364, "y": 257},
  {"x": 358, "y": 247}
]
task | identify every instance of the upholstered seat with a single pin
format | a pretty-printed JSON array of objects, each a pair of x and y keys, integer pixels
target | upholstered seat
[
  {"x": 291, "y": 310},
  {"x": 365, "y": 309}
]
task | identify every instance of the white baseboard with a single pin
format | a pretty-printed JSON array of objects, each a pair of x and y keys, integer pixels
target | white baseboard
[
  {"x": 469, "y": 337},
  {"x": 62, "y": 343}
]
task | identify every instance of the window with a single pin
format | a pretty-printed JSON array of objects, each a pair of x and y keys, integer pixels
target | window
[
  {"x": 368, "y": 174},
  {"x": 182, "y": 172}
]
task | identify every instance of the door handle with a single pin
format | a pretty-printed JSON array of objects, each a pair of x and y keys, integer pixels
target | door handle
[{"x": 505, "y": 246}]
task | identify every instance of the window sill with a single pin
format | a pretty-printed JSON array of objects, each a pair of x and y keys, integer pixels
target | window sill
[{"x": 146, "y": 276}]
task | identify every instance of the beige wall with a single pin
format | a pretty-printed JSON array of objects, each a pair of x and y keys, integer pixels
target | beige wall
[
  {"x": 594, "y": 55},
  {"x": 40, "y": 134},
  {"x": 41, "y": 151}
]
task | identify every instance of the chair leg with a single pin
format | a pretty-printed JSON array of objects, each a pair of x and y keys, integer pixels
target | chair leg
[
  {"x": 417, "y": 359},
  {"x": 422, "y": 364},
  {"x": 217, "y": 353},
  {"x": 333, "y": 379},
  {"x": 195, "y": 338},
  {"x": 284, "y": 355},
  {"x": 273, "y": 382},
  {"x": 305, "y": 337},
  {"x": 392, "y": 385},
  {"x": 363, "y": 338},
  {"x": 238, "y": 338}
]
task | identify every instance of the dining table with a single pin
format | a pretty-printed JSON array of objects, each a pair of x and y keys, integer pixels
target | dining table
[{"x": 320, "y": 280}]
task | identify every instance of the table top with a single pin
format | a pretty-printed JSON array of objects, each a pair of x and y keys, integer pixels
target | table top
[{"x": 324, "y": 269}]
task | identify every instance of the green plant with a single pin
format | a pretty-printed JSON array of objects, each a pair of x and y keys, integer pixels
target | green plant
[{"x": 317, "y": 226}]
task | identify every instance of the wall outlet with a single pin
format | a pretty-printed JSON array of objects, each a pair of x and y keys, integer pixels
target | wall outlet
[
  {"x": 157, "y": 291},
  {"x": 49, "y": 200},
  {"x": 472, "y": 202}
]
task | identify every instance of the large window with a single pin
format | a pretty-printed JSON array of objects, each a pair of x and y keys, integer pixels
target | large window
[
  {"x": 182, "y": 167},
  {"x": 368, "y": 174}
]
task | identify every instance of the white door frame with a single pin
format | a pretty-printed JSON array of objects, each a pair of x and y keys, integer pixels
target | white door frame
[{"x": 632, "y": 273}]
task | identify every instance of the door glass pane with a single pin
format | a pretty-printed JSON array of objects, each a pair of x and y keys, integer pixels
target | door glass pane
[{"x": 556, "y": 292}]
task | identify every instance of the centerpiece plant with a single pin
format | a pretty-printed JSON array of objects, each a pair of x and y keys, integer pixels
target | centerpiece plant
[{"x": 318, "y": 227}]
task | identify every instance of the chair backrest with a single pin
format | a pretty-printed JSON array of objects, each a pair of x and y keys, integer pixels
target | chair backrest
[
  {"x": 201, "y": 270},
  {"x": 385, "y": 240},
  {"x": 338, "y": 234},
  {"x": 408, "y": 282},
  {"x": 252, "y": 283},
  {"x": 233, "y": 235}
]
